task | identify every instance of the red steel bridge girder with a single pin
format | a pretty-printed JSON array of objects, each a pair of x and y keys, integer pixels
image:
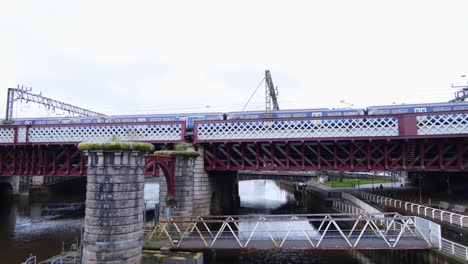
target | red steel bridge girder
[
  {"x": 449, "y": 154},
  {"x": 41, "y": 161},
  {"x": 55, "y": 160}
]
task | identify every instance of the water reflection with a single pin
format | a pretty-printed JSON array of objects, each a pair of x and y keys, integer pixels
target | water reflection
[
  {"x": 262, "y": 196},
  {"x": 38, "y": 228}
]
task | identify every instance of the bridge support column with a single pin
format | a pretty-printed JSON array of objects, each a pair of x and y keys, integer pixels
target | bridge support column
[
  {"x": 183, "y": 188},
  {"x": 202, "y": 186},
  {"x": 37, "y": 180},
  {"x": 114, "y": 206}
]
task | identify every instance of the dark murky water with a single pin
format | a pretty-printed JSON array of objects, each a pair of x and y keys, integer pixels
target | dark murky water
[
  {"x": 41, "y": 227},
  {"x": 38, "y": 228}
]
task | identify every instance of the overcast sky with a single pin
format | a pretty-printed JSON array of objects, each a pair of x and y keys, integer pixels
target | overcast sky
[{"x": 126, "y": 57}]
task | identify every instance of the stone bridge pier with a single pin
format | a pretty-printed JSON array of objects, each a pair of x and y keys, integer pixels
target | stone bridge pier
[
  {"x": 197, "y": 192},
  {"x": 113, "y": 231}
]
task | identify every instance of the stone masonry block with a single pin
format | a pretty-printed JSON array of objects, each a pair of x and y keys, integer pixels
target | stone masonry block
[
  {"x": 118, "y": 204},
  {"x": 103, "y": 213},
  {"x": 113, "y": 221}
]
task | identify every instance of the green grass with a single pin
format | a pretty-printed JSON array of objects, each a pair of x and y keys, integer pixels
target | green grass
[{"x": 352, "y": 182}]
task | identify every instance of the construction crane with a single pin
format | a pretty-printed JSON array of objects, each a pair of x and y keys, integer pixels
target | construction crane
[
  {"x": 271, "y": 93},
  {"x": 25, "y": 93},
  {"x": 462, "y": 94}
]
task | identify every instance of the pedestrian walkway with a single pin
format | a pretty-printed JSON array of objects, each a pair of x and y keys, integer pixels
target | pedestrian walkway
[{"x": 447, "y": 217}]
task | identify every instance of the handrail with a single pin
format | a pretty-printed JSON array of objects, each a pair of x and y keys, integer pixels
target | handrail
[{"x": 422, "y": 210}]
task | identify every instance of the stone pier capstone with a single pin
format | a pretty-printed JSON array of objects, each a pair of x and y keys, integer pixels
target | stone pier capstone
[{"x": 113, "y": 231}]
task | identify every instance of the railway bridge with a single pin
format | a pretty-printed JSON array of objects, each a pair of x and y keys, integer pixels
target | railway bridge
[{"x": 420, "y": 142}]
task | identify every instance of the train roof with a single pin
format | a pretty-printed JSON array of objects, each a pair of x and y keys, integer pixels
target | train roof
[
  {"x": 296, "y": 110},
  {"x": 418, "y": 105},
  {"x": 168, "y": 114}
]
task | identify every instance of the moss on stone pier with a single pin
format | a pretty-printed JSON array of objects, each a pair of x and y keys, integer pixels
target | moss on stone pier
[
  {"x": 177, "y": 153},
  {"x": 115, "y": 145}
]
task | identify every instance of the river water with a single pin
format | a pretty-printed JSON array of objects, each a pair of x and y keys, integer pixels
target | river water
[{"x": 40, "y": 227}]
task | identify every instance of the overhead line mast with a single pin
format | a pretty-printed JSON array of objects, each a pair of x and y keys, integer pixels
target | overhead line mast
[
  {"x": 271, "y": 93},
  {"x": 24, "y": 93}
]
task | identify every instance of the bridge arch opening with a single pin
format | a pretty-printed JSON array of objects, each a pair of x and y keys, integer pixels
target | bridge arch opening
[{"x": 6, "y": 189}]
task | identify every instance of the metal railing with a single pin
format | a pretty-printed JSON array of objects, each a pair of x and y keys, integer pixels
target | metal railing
[
  {"x": 454, "y": 249},
  {"x": 445, "y": 246},
  {"x": 72, "y": 257},
  {"x": 31, "y": 259},
  {"x": 347, "y": 208},
  {"x": 422, "y": 210},
  {"x": 289, "y": 231}
]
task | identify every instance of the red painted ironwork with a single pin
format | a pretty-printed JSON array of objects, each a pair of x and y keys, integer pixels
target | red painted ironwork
[
  {"x": 167, "y": 165},
  {"x": 41, "y": 161},
  {"x": 450, "y": 154}
]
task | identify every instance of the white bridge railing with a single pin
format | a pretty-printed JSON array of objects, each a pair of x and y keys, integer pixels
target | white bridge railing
[
  {"x": 446, "y": 124},
  {"x": 75, "y": 133},
  {"x": 421, "y": 124},
  {"x": 344, "y": 127},
  {"x": 431, "y": 229},
  {"x": 422, "y": 210},
  {"x": 454, "y": 249}
]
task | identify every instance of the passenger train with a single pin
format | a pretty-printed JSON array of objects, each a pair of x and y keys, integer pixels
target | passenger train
[{"x": 189, "y": 118}]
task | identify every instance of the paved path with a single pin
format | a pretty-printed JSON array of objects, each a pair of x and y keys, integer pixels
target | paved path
[{"x": 327, "y": 243}]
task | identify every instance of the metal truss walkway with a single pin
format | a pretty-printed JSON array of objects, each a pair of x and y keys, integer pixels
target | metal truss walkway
[{"x": 307, "y": 231}]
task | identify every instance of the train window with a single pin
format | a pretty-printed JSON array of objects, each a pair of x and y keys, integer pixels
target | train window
[
  {"x": 350, "y": 113},
  {"x": 182, "y": 118},
  {"x": 440, "y": 109},
  {"x": 251, "y": 116},
  {"x": 284, "y": 115},
  {"x": 213, "y": 118},
  {"x": 170, "y": 119},
  {"x": 381, "y": 112},
  {"x": 316, "y": 114},
  {"x": 399, "y": 111},
  {"x": 460, "y": 108},
  {"x": 236, "y": 117},
  {"x": 28, "y": 122},
  {"x": 420, "y": 110},
  {"x": 198, "y": 118},
  {"x": 300, "y": 115},
  {"x": 141, "y": 119},
  {"x": 334, "y": 113},
  {"x": 155, "y": 119}
]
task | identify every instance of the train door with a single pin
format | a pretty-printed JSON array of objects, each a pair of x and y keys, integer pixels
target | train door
[
  {"x": 316, "y": 114},
  {"x": 420, "y": 110}
]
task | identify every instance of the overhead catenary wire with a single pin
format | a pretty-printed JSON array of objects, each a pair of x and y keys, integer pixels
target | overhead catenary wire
[{"x": 256, "y": 89}]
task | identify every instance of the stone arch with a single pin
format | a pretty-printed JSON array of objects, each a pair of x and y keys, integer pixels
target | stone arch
[{"x": 6, "y": 189}]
